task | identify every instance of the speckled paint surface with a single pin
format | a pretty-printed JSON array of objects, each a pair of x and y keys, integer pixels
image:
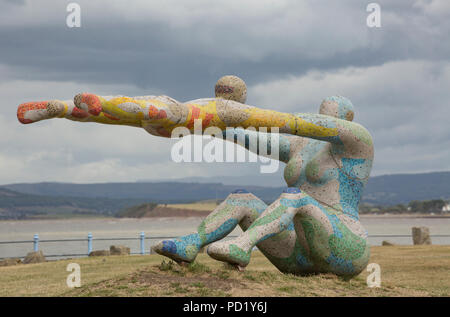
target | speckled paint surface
[{"x": 312, "y": 227}]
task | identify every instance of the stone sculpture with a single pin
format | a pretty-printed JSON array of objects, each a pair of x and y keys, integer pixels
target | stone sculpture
[
  {"x": 312, "y": 227},
  {"x": 421, "y": 235}
]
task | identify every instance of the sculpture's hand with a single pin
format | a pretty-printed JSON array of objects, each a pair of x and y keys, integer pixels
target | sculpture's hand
[
  {"x": 31, "y": 112},
  {"x": 85, "y": 108}
]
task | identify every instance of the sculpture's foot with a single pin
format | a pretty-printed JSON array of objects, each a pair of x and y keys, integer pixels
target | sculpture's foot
[
  {"x": 182, "y": 250},
  {"x": 183, "y": 263},
  {"x": 239, "y": 268},
  {"x": 231, "y": 253}
]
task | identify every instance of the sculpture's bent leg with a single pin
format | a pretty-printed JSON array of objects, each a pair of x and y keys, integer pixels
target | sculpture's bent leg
[
  {"x": 243, "y": 208},
  {"x": 240, "y": 207},
  {"x": 333, "y": 242}
]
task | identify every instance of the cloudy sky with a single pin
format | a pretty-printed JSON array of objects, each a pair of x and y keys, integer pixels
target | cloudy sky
[{"x": 292, "y": 54}]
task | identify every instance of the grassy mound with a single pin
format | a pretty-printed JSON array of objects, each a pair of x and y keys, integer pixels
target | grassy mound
[{"x": 405, "y": 271}]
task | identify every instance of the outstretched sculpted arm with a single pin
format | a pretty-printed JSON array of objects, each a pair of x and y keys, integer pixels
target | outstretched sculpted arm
[
  {"x": 119, "y": 110},
  {"x": 160, "y": 115},
  {"x": 31, "y": 112},
  {"x": 262, "y": 143}
]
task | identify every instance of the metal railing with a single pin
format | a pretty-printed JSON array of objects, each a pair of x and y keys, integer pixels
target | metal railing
[{"x": 36, "y": 241}]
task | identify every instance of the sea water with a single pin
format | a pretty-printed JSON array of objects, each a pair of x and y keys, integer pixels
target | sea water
[{"x": 157, "y": 228}]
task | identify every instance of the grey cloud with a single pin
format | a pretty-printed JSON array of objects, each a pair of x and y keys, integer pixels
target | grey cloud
[
  {"x": 403, "y": 104},
  {"x": 15, "y": 2},
  {"x": 157, "y": 52},
  {"x": 292, "y": 54}
]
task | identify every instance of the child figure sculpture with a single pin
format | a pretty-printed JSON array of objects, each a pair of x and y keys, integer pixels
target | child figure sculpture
[{"x": 313, "y": 227}]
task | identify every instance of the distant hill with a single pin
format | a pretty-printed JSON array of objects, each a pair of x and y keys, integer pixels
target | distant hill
[
  {"x": 255, "y": 179},
  {"x": 403, "y": 188},
  {"x": 15, "y": 205},
  {"x": 161, "y": 192},
  {"x": 109, "y": 198},
  {"x": 137, "y": 211},
  {"x": 381, "y": 190},
  {"x": 155, "y": 210}
]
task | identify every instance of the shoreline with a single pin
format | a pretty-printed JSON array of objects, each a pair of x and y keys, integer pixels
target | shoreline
[{"x": 202, "y": 214}]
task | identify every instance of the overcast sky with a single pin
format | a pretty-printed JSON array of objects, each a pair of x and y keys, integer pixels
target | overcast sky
[{"x": 292, "y": 54}]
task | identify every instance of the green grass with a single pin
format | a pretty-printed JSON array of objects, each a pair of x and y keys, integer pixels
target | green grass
[{"x": 405, "y": 271}]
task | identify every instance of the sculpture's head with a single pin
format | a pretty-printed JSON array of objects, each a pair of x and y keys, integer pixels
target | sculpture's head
[
  {"x": 337, "y": 106},
  {"x": 231, "y": 87}
]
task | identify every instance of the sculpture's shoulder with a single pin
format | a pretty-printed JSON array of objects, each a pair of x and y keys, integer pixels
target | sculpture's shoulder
[{"x": 356, "y": 138}]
